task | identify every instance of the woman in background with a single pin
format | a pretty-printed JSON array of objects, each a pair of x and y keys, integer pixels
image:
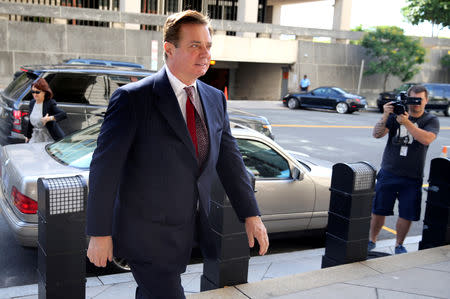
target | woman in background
[{"x": 43, "y": 126}]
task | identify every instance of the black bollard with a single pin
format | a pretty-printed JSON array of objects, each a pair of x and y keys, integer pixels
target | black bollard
[
  {"x": 352, "y": 190},
  {"x": 436, "y": 223},
  {"x": 62, "y": 238},
  {"x": 228, "y": 263}
]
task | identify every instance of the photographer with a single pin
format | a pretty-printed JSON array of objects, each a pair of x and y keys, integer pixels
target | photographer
[{"x": 401, "y": 173}]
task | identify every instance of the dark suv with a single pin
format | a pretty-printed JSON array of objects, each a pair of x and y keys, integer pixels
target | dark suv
[
  {"x": 438, "y": 96},
  {"x": 82, "y": 91}
]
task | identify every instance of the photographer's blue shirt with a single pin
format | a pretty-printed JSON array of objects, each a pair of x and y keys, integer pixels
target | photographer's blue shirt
[{"x": 409, "y": 161}]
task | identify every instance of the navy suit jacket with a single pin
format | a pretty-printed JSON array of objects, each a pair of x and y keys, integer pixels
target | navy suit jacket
[{"x": 144, "y": 178}]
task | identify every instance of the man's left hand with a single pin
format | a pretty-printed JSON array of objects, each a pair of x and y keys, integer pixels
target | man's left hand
[
  {"x": 402, "y": 118},
  {"x": 256, "y": 229}
]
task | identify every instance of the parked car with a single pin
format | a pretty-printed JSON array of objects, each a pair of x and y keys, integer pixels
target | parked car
[
  {"x": 292, "y": 188},
  {"x": 83, "y": 92},
  {"x": 105, "y": 62},
  {"x": 255, "y": 122},
  {"x": 438, "y": 96},
  {"x": 333, "y": 98}
]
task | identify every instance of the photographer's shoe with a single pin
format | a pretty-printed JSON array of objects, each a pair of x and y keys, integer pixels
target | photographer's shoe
[
  {"x": 371, "y": 246},
  {"x": 400, "y": 249}
]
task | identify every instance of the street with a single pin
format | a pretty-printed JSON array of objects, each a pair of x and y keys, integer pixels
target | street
[{"x": 319, "y": 133}]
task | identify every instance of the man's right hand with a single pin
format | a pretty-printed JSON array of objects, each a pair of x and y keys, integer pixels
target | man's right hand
[
  {"x": 100, "y": 250},
  {"x": 388, "y": 109}
]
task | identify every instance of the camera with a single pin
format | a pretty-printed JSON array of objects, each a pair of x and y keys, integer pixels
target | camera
[{"x": 403, "y": 100}]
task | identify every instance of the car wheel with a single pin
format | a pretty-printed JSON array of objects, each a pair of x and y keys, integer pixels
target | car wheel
[
  {"x": 342, "y": 107},
  {"x": 292, "y": 103},
  {"x": 121, "y": 263},
  {"x": 447, "y": 111}
]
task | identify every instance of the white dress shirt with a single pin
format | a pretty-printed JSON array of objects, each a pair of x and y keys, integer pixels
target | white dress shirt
[{"x": 180, "y": 93}]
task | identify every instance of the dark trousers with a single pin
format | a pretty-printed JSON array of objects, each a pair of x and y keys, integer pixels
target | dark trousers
[{"x": 154, "y": 282}]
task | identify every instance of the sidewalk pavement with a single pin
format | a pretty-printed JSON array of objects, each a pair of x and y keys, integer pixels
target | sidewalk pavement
[{"x": 417, "y": 274}]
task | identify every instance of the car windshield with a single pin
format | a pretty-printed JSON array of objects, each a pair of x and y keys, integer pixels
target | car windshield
[
  {"x": 76, "y": 150},
  {"x": 18, "y": 86},
  {"x": 339, "y": 90}
]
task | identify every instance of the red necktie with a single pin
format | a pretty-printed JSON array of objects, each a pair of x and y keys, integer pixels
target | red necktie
[{"x": 196, "y": 126}]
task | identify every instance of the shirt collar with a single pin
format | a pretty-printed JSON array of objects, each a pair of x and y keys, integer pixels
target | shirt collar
[{"x": 177, "y": 85}]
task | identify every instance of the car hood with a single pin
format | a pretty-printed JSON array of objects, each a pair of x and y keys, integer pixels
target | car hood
[
  {"x": 239, "y": 114},
  {"x": 314, "y": 164},
  {"x": 33, "y": 160}
]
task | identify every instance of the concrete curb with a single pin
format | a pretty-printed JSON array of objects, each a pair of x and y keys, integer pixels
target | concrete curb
[{"x": 291, "y": 284}]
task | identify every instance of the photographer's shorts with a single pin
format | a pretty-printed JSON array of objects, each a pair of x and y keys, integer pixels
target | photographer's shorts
[{"x": 390, "y": 187}]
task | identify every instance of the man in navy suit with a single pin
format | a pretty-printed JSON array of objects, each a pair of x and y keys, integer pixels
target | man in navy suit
[{"x": 162, "y": 142}]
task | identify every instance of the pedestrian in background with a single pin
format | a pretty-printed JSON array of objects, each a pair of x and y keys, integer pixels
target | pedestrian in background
[
  {"x": 44, "y": 116},
  {"x": 304, "y": 83}
]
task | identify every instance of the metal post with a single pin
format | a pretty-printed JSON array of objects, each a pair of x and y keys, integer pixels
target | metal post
[
  {"x": 62, "y": 238},
  {"x": 436, "y": 224},
  {"x": 228, "y": 263},
  {"x": 352, "y": 190}
]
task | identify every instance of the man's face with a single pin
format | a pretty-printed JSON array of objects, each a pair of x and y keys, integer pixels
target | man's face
[
  {"x": 418, "y": 108},
  {"x": 191, "y": 58}
]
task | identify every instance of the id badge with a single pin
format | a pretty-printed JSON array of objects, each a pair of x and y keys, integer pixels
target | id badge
[{"x": 403, "y": 151}]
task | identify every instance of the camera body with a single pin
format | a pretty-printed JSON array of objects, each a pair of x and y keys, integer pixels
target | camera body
[{"x": 402, "y": 101}]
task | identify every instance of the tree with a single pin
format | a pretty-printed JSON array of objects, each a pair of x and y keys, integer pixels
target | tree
[
  {"x": 435, "y": 11},
  {"x": 393, "y": 53}
]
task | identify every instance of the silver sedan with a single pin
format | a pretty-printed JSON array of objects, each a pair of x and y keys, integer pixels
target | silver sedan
[{"x": 292, "y": 188}]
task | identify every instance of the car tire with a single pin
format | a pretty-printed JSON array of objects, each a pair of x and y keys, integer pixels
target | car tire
[
  {"x": 342, "y": 108},
  {"x": 447, "y": 111},
  {"x": 293, "y": 103},
  {"x": 121, "y": 264}
]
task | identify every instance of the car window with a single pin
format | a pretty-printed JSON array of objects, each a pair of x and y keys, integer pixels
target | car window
[
  {"x": 117, "y": 81},
  {"x": 78, "y": 88},
  {"x": 76, "y": 150},
  {"x": 97, "y": 93},
  {"x": 319, "y": 91},
  {"x": 262, "y": 160},
  {"x": 18, "y": 86},
  {"x": 435, "y": 91}
]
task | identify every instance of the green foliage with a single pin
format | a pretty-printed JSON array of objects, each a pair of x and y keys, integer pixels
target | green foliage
[
  {"x": 393, "y": 53},
  {"x": 446, "y": 61},
  {"x": 435, "y": 11},
  {"x": 358, "y": 28}
]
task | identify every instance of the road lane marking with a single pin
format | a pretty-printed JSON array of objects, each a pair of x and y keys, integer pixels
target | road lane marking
[
  {"x": 389, "y": 230},
  {"x": 333, "y": 126}
]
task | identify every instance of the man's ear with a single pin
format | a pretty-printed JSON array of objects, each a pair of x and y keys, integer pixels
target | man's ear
[{"x": 169, "y": 48}]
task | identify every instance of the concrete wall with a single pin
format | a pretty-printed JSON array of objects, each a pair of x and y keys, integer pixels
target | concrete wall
[
  {"x": 257, "y": 81},
  {"x": 37, "y": 43},
  {"x": 259, "y": 60}
]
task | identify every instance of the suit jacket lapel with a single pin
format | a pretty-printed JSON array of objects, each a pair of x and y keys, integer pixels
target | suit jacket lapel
[{"x": 167, "y": 103}]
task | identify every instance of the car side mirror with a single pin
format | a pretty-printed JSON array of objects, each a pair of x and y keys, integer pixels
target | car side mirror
[{"x": 297, "y": 175}]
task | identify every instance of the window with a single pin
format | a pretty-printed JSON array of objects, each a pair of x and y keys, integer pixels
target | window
[
  {"x": 262, "y": 160},
  {"x": 20, "y": 85}
]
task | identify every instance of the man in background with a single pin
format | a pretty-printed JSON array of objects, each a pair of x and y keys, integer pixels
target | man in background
[
  {"x": 401, "y": 173},
  {"x": 304, "y": 83}
]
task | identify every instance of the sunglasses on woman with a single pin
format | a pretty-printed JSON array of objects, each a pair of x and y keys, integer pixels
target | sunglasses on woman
[{"x": 36, "y": 91}]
